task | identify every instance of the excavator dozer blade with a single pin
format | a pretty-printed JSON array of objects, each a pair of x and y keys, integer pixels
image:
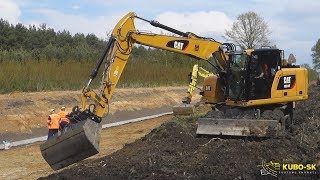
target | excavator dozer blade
[
  {"x": 183, "y": 109},
  {"x": 79, "y": 142},
  {"x": 238, "y": 127}
]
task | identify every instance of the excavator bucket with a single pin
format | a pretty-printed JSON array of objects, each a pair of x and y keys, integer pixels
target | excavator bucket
[
  {"x": 238, "y": 127},
  {"x": 79, "y": 142},
  {"x": 183, "y": 109}
]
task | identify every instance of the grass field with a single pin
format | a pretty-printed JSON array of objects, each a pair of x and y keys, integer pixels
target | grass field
[{"x": 73, "y": 75}]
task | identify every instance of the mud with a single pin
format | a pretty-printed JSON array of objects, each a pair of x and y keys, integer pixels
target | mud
[{"x": 173, "y": 151}]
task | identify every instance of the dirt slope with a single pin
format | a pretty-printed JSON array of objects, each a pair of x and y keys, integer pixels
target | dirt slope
[
  {"x": 22, "y": 112},
  {"x": 173, "y": 152}
]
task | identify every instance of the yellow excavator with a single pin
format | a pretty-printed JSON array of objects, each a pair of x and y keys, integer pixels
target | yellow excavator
[
  {"x": 196, "y": 72},
  {"x": 186, "y": 108},
  {"x": 252, "y": 92}
]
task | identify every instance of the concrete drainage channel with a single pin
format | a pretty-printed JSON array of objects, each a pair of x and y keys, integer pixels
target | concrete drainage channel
[{"x": 7, "y": 145}]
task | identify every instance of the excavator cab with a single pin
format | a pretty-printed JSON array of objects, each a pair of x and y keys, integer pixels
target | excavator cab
[
  {"x": 236, "y": 76},
  {"x": 259, "y": 95},
  {"x": 250, "y": 74}
]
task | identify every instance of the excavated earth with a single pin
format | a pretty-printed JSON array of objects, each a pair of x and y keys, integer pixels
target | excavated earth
[{"x": 173, "y": 151}]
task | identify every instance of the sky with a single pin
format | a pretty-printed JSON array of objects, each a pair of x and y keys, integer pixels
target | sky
[{"x": 294, "y": 24}]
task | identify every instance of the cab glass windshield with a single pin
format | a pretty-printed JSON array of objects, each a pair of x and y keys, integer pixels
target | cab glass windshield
[{"x": 236, "y": 76}]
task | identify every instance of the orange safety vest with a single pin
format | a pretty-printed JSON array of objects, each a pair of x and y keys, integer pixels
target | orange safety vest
[
  {"x": 54, "y": 122},
  {"x": 63, "y": 115}
]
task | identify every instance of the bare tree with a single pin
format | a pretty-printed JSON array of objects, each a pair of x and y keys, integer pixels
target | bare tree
[
  {"x": 249, "y": 31},
  {"x": 316, "y": 55}
]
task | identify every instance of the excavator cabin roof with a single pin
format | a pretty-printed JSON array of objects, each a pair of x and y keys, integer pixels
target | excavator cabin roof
[{"x": 261, "y": 50}]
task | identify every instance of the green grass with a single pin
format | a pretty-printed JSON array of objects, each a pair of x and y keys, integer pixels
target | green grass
[{"x": 72, "y": 75}]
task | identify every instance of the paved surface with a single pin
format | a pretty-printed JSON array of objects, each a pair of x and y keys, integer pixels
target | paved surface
[{"x": 116, "y": 117}]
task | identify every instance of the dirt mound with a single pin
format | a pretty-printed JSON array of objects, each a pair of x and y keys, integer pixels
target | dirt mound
[{"x": 173, "y": 151}]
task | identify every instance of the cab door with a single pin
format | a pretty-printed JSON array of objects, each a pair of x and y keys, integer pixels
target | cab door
[{"x": 276, "y": 91}]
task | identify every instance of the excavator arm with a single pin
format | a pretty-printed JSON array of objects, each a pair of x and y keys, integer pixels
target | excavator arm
[
  {"x": 119, "y": 48},
  {"x": 82, "y": 138},
  {"x": 196, "y": 72}
]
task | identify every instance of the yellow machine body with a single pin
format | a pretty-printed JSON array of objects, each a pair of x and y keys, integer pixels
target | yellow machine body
[{"x": 236, "y": 90}]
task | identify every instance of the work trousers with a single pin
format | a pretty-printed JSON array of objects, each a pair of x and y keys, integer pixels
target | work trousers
[
  {"x": 52, "y": 133},
  {"x": 63, "y": 126}
]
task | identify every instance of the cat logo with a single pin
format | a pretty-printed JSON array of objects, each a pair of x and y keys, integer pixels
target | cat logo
[
  {"x": 178, "y": 45},
  {"x": 286, "y": 82}
]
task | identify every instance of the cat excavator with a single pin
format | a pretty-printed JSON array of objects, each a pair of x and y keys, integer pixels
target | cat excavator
[
  {"x": 186, "y": 108},
  {"x": 194, "y": 74},
  {"x": 252, "y": 92}
]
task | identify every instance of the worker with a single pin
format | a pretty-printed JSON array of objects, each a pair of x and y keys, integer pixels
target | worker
[
  {"x": 265, "y": 70},
  {"x": 53, "y": 124},
  {"x": 64, "y": 121},
  {"x": 256, "y": 77}
]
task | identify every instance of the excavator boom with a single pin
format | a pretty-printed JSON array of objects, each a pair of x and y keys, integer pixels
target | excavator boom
[
  {"x": 252, "y": 93},
  {"x": 82, "y": 139}
]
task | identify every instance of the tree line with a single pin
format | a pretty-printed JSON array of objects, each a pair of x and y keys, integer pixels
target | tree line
[
  {"x": 39, "y": 58},
  {"x": 20, "y": 44}
]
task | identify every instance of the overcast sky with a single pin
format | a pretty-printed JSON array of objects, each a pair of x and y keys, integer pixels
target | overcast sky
[{"x": 295, "y": 24}]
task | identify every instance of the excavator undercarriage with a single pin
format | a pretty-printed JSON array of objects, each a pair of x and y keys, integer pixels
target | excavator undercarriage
[{"x": 263, "y": 121}]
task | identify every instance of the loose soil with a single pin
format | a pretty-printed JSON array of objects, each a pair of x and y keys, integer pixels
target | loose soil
[
  {"x": 26, "y": 162},
  {"x": 173, "y": 151}
]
